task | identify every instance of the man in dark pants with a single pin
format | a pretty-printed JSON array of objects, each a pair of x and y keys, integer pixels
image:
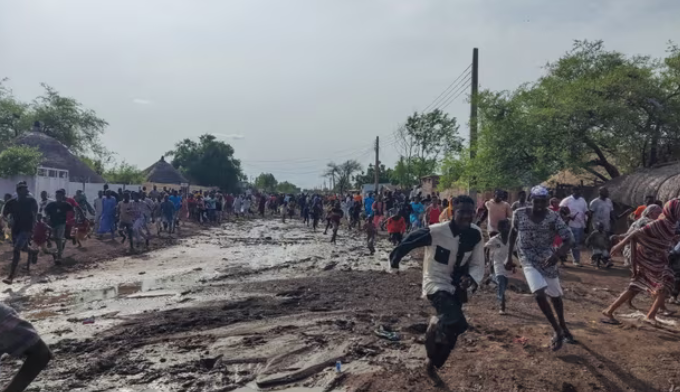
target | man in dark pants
[
  {"x": 24, "y": 211},
  {"x": 454, "y": 260},
  {"x": 57, "y": 212}
]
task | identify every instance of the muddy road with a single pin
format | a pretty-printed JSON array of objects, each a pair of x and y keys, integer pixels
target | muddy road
[{"x": 262, "y": 305}]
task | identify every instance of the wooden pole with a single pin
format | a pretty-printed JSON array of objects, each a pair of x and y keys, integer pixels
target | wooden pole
[
  {"x": 473, "y": 117},
  {"x": 377, "y": 165}
]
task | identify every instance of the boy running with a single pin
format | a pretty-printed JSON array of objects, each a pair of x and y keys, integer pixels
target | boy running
[{"x": 497, "y": 248}]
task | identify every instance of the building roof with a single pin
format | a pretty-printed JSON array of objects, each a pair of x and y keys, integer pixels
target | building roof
[
  {"x": 164, "y": 173},
  {"x": 662, "y": 182},
  {"x": 57, "y": 155},
  {"x": 430, "y": 176}
]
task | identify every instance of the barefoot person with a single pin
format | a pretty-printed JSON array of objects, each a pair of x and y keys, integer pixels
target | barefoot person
[
  {"x": 24, "y": 213},
  {"x": 19, "y": 339},
  {"x": 454, "y": 254},
  {"x": 649, "y": 261},
  {"x": 533, "y": 231}
]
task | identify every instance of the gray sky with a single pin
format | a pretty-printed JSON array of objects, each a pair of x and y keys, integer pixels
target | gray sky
[{"x": 294, "y": 84}]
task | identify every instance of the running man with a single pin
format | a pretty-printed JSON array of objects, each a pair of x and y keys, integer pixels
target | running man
[
  {"x": 24, "y": 214},
  {"x": 533, "y": 231},
  {"x": 57, "y": 213},
  {"x": 453, "y": 261}
]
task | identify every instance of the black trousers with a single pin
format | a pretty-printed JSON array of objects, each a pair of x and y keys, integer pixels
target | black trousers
[{"x": 443, "y": 331}]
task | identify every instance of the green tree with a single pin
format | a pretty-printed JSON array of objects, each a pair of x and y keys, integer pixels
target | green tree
[
  {"x": 332, "y": 172},
  {"x": 368, "y": 177},
  {"x": 287, "y": 187},
  {"x": 62, "y": 118},
  {"x": 347, "y": 170},
  {"x": 594, "y": 111},
  {"x": 208, "y": 162},
  {"x": 16, "y": 160},
  {"x": 124, "y": 173},
  {"x": 423, "y": 140},
  {"x": 97, "y": 165},
  {"x": 266, "y": 182}
]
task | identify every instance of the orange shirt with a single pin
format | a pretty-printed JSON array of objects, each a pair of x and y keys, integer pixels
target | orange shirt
[
  {"x": 357, "y": 198},
  {"x": 396, "y": 224}
]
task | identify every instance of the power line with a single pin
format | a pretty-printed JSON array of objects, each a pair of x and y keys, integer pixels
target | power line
[
  {"x": 434, "y": 103},
  {"x": 460, "y": 91}
]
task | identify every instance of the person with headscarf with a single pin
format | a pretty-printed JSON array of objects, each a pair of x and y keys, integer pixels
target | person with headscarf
[
  {"x": 533, "y": 233},
  {"x": 649, "y": 262}
]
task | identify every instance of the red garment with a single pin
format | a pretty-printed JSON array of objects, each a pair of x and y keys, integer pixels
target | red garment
[
  {"x": 71, "y": 215},
  {"x": 396, "y": 224},
  {"x": 434, "y": 215},
  {"x": 40, "y": 234}
]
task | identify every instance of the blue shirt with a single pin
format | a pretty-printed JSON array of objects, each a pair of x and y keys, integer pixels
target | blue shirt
[
  {"x": 418, "y": 209},
  {"x": 176, "y": 201},
  {"x": 368, "y": 205}
]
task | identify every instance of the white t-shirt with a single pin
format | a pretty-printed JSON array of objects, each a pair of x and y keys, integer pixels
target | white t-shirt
[
  {"x": 602, "y": 212},
  {"x": 498, "y": 253},
  {"x": 578, "y": 209}
]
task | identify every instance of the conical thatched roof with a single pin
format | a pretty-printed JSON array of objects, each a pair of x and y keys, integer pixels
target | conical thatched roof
[
  {"x": 164, "y": 173},
  {"x": 57, "y": 155},
  {"x": 662, "y": 182}
]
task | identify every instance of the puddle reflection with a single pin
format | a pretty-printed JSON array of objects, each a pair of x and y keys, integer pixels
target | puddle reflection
[{"x": 126, "y": 289}]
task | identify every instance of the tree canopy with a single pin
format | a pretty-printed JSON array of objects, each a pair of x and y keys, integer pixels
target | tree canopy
[
  {"x": 341, "y": 175},
  {"x": 287, "y": 187},
  {"x": 16, "y": 160},
  {"x": 62, "y": 118},
  {"x": 266, "y": 182},
  {"x": 124, "y": 173},
  {"x": 368, "y": 177},
  {"x": 594, "y": 111},
  {"x": 422, "y": 142},
  {"x": 208, "y": 162}
]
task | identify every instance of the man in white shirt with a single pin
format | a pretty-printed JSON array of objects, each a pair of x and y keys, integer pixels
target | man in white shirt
[
  {"x": 453, "y": 261},
  {"x": 602, "y": 210},
  {"x": 578, "y": 216}
]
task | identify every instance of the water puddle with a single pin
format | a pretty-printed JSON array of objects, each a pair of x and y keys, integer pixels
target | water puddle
[{"x": 149, "y": 287}]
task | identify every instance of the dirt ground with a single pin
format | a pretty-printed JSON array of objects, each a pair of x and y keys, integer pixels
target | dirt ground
[{"x": 262, "y": 305}]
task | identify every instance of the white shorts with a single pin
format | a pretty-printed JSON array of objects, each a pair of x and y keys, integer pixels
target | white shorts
[{"x": 537, "y": 281}]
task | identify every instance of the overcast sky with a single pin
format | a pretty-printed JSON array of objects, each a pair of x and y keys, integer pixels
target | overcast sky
[{"x": 293, "y": 84}]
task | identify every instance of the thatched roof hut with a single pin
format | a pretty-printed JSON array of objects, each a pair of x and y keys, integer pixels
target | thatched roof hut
[
  {"x": 662, "y": 182},
  {"x": 162, "y": 172},
  {"x": 57, "y": 155}
]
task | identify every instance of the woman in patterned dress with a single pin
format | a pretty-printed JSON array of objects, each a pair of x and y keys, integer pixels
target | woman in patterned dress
[{"x": 649, "y": 261}]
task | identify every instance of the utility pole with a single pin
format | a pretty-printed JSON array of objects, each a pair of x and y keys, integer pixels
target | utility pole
[
  {"x": 377, "y": 165},
  {"x": 473, "y": 117}
]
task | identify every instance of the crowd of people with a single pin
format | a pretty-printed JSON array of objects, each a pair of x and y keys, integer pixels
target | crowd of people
[{"x": 465, "y": 245}]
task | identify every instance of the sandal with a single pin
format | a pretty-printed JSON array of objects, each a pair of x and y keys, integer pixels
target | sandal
[
  {"x": 610, "y": 321},
  {"x": 556, "y": 342}
]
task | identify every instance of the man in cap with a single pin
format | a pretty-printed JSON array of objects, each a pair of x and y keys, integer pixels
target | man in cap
[
  {"x": 24, "y": 211},
  {"x": 533, "y": 232}
]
